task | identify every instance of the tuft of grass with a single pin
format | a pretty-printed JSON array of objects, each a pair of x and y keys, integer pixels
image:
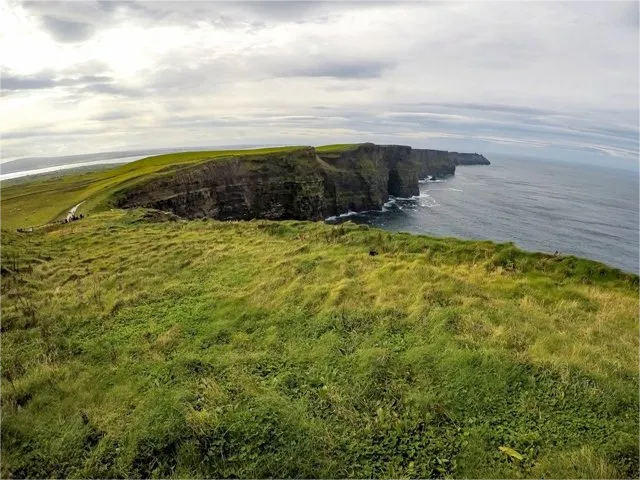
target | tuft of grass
[{"x": 138, "y": 347}]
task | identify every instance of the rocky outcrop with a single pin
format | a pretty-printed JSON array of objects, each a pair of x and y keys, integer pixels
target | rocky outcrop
[
  {"x": 302, "y": 184},
  {"x": 468, "y": 159},
  {"x": 436, "y": 163},
  {"x": 273, "y": 186},
  {"x": 439, "y": 163},
  {"x": 365, "y": 177}
]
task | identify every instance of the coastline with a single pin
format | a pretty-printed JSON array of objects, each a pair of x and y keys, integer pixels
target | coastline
[{"x": 65, "y": 167}]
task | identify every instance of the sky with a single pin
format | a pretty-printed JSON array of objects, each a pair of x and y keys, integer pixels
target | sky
[{"x": 559, "y": 80}]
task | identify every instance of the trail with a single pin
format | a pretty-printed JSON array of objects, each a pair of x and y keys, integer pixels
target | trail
[{"x": 72, "y": 212}]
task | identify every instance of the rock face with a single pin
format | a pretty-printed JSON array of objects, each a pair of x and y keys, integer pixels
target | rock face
[
  {"x": 363, "y": 178},
  {"x": 439, "y": 163},
  {"x": 302, "y": 184},
  {"x": 468, "y": 159},
  {"x": 274, "y": 186},
  {"x": 436, "y": 163}
]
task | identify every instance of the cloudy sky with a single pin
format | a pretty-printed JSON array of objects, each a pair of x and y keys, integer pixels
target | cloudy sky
[{"x": 535, "y": 78}]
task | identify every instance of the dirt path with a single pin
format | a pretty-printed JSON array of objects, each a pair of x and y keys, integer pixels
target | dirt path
[{"x": 72, "y": 212}]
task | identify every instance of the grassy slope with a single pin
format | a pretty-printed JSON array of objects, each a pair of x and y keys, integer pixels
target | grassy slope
[
  {"x": 44, "y": 200},
  {"x": 253, "y": 349},
  {"x": 337, "y": 147}
]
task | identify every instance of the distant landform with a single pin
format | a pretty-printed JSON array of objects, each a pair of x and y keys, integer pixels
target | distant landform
[
  {"x": 278, "y": 183},
  {"x": 29, "y": 166},
  {"x": 305, "y": 183}
]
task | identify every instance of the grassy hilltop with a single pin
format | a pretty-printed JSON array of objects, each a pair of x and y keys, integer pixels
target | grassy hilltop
[
  {"x": 134, "y": 347},
  {"x": 42, "y": 201}
]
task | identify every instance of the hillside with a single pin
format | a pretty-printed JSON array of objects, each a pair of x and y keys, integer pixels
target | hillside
[
  {"x": 43, "y": 201},
  {"x": 135, "y": 345}
]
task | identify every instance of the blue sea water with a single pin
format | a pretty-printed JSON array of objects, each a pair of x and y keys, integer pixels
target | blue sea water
[{"x": 540, "y": 205}]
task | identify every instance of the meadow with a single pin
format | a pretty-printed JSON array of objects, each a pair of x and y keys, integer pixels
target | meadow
[{"x": 138, "y": 345}]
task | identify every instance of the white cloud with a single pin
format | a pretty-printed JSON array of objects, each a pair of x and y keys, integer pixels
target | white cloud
[{"x": 91, "y": 76}]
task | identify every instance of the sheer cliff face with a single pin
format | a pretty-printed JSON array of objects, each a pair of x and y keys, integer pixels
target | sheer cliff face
[
  {"x": 364, "y": 178},
  {"x": 303, "y": 184},
  {"x": 440, "y": 162},
  {"x": 433, "y": 162},
  {"x": 275, "y": 186},
  {"x": 468, "y": 158}
]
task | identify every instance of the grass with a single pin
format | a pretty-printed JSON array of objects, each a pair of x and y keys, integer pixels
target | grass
[
  {"x": 44, "y": 200},
  {"x": 140, "y": 348},
  {"x": 336, "y": 148}
]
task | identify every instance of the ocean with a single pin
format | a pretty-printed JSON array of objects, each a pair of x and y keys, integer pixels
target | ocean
[{"x": 540, "y": 205}]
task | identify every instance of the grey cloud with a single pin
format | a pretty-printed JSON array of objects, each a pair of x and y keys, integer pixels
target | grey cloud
[
  {"x": 107, "y": 117},
  {"x": 77, "y": 21},
  {"x": 111, "y": 89},
  {"x": 522, "y": 130},
  {"x": 24, "y": 134},
  {"x": 76, "y": 87},
  {"x": 67, "y": 31},
  {"x": 631, "y": 15},
  {"x": 301, "y": 11},
  {"x": 492, "y": 107},
  {"x": 42, "y": 80},
  {"x": 336, "y": 68},
  {"x": 257, "y": 119},
  {"x": 73, "y": 21},
  {"x": 171, "y": 73},
  {"x": 210, "y": 76},
  {"x": 470, "y": 72},
  {"x": 85, "y": 79},
  {"x": 110, "y": 6},
  {"x": 258, "y": 12}
]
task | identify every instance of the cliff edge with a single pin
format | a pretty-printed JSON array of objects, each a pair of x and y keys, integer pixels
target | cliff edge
[
  {"x": 301, "y": 184},
  {"x": 468, "y": 158}
]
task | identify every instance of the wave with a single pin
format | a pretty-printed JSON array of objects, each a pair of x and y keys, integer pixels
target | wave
[
  {"x": 388, "y": 204},
  {"x": 427, "y": 201},
  {"x": 350, "y": 213},
  {"x": 385, "y": 208},
  {"x": 406, "y": 199},
  {"x": 423, "y": 200}
]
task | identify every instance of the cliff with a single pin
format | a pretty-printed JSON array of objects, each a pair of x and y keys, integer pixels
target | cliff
[
  {"x": 439, "y": 163},
  {"x": 273, "y": 186},
  {"x": 433, "y": 162},
  {"x": 302, "y": 184},
  {"x": 468, "y": 159}
]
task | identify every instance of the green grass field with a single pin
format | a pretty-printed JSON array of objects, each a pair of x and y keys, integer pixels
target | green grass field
[
  {"x": 138, "y": 348},
  {"x": 337, "y": 147},
  {"x": 42, "y": 201}
]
